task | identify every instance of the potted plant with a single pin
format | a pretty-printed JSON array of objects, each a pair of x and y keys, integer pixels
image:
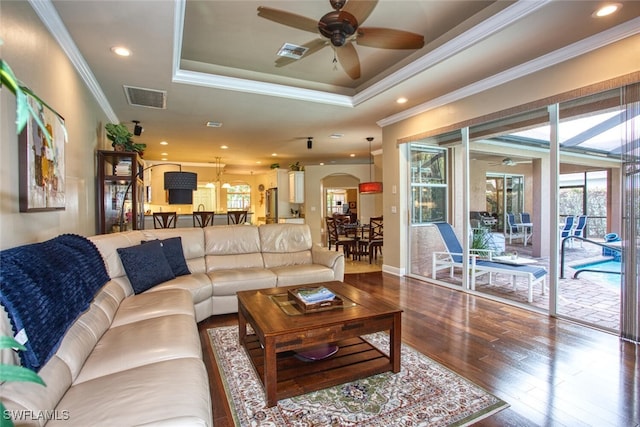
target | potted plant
[
  {"x": 296, "y": 166},
  {"x": 14, "y": 373},
  {"x": 120, "y": 138}
]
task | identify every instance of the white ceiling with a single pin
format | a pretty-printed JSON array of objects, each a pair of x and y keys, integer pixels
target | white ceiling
[{"x": 215, "y": 60}]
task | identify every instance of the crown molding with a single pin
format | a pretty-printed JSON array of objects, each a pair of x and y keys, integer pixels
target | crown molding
[
  {"x": 50, "y": 18},
  {"x": 597, "y": 41},
  {"x": 474, "y": 35}
]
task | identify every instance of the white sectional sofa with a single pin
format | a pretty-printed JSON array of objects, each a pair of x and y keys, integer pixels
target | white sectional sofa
[{"x": 134, "y": 358}]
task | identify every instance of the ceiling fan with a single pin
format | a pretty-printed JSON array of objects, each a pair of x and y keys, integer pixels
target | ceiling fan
[
  {"x": 341, "y": 27},
  {"x": 508, "y": 161}
]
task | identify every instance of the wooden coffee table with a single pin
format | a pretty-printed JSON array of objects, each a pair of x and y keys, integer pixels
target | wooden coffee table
[{"x": 280, "y": 329}]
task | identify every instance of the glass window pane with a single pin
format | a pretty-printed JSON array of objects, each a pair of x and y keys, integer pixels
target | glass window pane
[{"x": 428, "y": 183}]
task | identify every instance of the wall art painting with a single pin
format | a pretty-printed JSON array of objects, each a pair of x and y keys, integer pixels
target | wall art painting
[{"x": 41, "y": 162}]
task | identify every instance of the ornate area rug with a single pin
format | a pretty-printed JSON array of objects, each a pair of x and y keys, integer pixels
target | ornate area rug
[{"x": 423, "y": 393}]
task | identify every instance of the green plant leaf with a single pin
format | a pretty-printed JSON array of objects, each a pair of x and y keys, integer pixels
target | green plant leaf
[
  {"x": 10, "y": 342},
  {"x": 18, "y": 373},
  {"x": 24, "y": 110},
  {"x": 5, "y": 420}
]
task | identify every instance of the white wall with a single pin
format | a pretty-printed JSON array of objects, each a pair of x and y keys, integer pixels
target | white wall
[{"x": 40, "y": 64}]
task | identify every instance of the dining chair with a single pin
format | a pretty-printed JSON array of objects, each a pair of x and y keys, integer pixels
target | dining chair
[
  {"x": 341, "y": 220},
  {"x": 236, "y": 217},
  {"x": 347, "y": 243},
  {"x": 165, "y": 219},
  {"x": 375, "y": 240},
  {"x": 203, "y": 218}
]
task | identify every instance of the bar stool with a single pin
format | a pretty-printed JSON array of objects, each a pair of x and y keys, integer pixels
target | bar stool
[
  {"x": 203, "y": 218},
  {"x": 165, "y": 219},
  {"x": 236, "y": 217}
]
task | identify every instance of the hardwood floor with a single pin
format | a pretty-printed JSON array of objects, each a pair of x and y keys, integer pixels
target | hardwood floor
[{"x": 552, "y": 372}]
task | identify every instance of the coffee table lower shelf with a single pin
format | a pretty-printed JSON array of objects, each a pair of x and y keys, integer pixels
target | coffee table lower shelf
[{"x": 355, "y": 359}]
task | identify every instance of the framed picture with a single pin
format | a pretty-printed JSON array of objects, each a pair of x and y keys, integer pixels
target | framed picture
[{"x": 41, "y": 163}]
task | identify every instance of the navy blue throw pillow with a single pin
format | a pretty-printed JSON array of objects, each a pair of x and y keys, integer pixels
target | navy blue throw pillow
[
  {"x": 172, "y": 248},
  {"x": 145, "y": 265}
]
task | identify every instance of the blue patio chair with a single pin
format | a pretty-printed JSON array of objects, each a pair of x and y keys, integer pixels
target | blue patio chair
[
  {"x": 453, "y": 258},
  {"x": 578, "y": 229},
  {"x": 525, "y": 218},
  {"x": 567, "y": 228},
  {"x": 512, "y": 229}
]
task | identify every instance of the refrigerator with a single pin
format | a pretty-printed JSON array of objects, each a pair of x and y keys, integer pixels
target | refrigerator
[{"x": 271, "y": 206}]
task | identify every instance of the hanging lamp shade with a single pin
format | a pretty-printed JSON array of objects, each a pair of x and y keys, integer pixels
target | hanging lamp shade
[
  {"x": 370, "y": 187},
  {"x": 180, "y": 186}
]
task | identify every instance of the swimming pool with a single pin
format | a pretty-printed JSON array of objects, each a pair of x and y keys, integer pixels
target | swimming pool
[{"x": 613, "y": 279}]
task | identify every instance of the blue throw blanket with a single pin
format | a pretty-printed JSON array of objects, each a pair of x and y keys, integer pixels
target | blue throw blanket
[{"x": 45, "y": 287}]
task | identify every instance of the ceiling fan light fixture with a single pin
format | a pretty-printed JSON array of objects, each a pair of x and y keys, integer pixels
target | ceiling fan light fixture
[{"x": 337, "y": 26}]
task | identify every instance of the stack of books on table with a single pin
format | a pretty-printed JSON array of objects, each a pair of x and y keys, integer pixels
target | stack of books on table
[{"x": 314, "y": 298}]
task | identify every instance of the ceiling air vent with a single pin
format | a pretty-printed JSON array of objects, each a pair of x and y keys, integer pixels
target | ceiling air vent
[
  {"x": 150, "y": 98},
  {"x": 293, "y": 51}
]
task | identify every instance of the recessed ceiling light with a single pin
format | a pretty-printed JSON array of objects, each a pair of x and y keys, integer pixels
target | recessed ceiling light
[
  {"x": 164, "y": 143},
  {"x": 274, "y": 154},
  {"x": 352, "y": 155},
  {"x": 336, "y": 135},
  {"x": 164, "y": 154},
  {"x": 224, "y": 147},
  {"x": 121, "y": 51},
  {"x": 164, "y": 159},
  {"x": 212, "y": 124},
  {"x": 321, "y": 163},
  {"x": 607, "y": 9},
  {"x": 258, "y": 162},
  {"x": 401, "y": 100}
]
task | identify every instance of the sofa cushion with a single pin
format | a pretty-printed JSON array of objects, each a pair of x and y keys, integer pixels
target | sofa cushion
[
  {"x": 153, "y": 304},
  {"x": 303, "y": 274},
  {"x": 228, "y": 282},
  {"x": 172, "y": 248},
  {"x": 173, "y": 251},
  {"x": 141, "y": 343},
  {"x": 231, "y": 247},
  {"x": 146, "y": 265},
  {"x": 175, "y": 392},
  {"x": 198, "y": 284}
]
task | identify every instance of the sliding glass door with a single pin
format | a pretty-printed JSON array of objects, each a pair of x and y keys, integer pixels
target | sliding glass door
[{"x": 579, "y": 160}]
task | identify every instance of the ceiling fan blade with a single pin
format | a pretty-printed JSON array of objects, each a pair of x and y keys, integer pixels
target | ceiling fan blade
[
  {"x": 288, "y": 19},
  {"x": 313, "y": 46},
  {"x": 387, "y": 38},
  {"x": 348, "y": 58},
  {"x": 360, "y": 9}
]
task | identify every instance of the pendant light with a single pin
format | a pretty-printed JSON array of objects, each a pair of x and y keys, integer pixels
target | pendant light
[
  {"x": 371, "y": 187},
  {"x": 219, "y": 172}
]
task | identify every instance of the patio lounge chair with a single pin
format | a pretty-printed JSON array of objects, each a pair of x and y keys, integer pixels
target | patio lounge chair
[
  {"x": 453, "y": 258},
  {"x": 512, "y": 229},
  {"x": 578, "y": 230}
]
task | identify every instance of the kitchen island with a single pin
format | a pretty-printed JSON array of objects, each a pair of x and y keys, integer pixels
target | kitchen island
[{"x": 186, "y": 220}]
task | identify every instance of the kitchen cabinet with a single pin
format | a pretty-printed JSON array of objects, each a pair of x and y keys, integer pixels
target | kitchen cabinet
[
  {"x": 116, "y": 171},
  {"x": 296, "y": 186}
]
